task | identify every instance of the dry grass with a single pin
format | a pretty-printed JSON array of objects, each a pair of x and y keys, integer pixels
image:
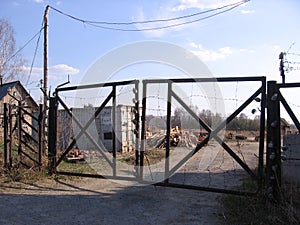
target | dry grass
[
  {"x": 152, "y": 156},
  {"x": 257, "y": 210}
]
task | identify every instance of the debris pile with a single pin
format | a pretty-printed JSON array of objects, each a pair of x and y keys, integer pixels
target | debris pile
[
  {"x": 74, "y": 155},
  {"x": 177, "y": 138}
]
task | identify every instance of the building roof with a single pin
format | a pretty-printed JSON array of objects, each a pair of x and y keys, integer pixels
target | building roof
[
  {"x": 4, "y": 89},
  {"x": 284, "y": 122}
]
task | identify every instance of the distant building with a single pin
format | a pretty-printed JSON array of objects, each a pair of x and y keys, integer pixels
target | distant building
[
  {"x": 11, "y": 93},
  {"x": 285, "y": 127},
  {"x": 100, "y": 130}
]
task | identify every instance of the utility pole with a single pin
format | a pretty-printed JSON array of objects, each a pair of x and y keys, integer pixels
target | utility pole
[
  {"x": 46, "y": 55},
  {"x": 45, "y": 87},
  {"x": 281, "y": 66}
]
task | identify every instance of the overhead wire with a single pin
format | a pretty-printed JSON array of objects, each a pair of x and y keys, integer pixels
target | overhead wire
[
  {"x": 98, "y": 23},
  {"x": 24, "y": 46},
  {"x": 34, "y": 55},
  {"x": 146, "y": 21}
]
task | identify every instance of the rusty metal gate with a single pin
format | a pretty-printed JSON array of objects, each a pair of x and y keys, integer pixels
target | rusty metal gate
[
  {"x": 59, "y": 146},
  {"x": 274, "y": 136},
  {"x": 23, "y": 142}
]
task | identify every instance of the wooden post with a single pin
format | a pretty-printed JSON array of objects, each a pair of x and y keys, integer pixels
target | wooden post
[
  {"x": 19, "y": 130},
  {"x": 10, "y": 154},
  {"x": 5, "y": 124},
  {"x": 40, "y": 136},
  {"x": 46, "y": 55},
  {"x": 45, "y": 87}
]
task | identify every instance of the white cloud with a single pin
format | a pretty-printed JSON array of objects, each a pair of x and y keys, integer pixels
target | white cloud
[
  {"x": 61, "y": 69},
  {"x": 245, "y": 50},
  {"x": 275, "y": 47},
  {"x": 163, "y": 12},
  {"x": 54, "y": 71},
  {"x": 210, "y": 55},
  {"x": 39, "y": 1},
  {"x": 150, "y": 33},
  {"x": 204, "y": 4},
  {"x": 247, "y": 11}
]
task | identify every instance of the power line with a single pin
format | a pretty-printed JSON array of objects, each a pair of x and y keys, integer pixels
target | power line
[
  {"x": 24, "y": 46},
  {"x": 98, "y": 23},
  {"x": 295, "y": 54},
  {"x": 34, "y": 55},
  {"x": 147, "y": 21}
]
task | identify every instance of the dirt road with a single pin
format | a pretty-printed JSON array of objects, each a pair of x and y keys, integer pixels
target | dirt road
[
  {"x": 100, "y": 201},
  {"x": 93, "y": 201}
]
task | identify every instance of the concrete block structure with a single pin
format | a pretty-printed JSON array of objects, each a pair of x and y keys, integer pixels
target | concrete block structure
[{"x": 100, "y": 130}]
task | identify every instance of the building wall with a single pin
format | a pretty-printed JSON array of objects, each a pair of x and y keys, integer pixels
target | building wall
[
  {"x": 30, "y": 107},
  {"x": 101, "y": 128}
]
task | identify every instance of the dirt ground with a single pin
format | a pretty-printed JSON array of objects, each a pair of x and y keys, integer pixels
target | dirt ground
[
  {"x": 93, "y": 201},
  {"x": 100, "y": 201}
]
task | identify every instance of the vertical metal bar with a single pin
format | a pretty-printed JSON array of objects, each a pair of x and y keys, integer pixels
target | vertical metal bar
[
  {"x": 273, "y": 167},
  {"x": 143, "y": 131},
  {"x": 137, "y": 126},
  {"x": 52, "y": 134},
  {"x": 19, "y": 130},
  {"x": 5, "y": 130},
  {"x": 40, "y": 136},
  {"x": 168, "y": 133},
  {"x": 114, "y": 139},
  {"x": 289, "y": 111},
  {"x": 262, "y": 133},
  {"x": 10, "y": 154}
]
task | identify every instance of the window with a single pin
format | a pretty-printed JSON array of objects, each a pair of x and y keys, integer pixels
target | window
[{"x": 108, "y": 136}]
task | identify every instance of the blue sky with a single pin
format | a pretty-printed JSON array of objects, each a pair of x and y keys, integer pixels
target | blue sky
[{"x": 245, "y": 41}]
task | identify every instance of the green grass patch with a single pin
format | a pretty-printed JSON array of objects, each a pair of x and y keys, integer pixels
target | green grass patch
[{"x": 76, "y": 167}]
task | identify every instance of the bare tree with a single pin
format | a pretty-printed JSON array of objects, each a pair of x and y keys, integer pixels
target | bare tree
[{"x": 11, "y": 64}]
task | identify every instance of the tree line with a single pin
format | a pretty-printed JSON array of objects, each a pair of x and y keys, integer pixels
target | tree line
[{"x": 183, "y": 119}]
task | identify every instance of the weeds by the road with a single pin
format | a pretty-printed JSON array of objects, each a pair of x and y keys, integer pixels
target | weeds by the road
[{"x": 257, "y": 210}]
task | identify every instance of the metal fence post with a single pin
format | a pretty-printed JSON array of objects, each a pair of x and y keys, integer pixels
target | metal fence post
[
  {"x": 10, "y": 135},
  {"x": 52, "y": 134},
  {"x": 114, "y": 130},
  {"x": 136, "y": 122},
  {"x": 20, "y": 115},
  {"x": 273, "y": 158},
  {"x": 5, "y": 130},
  {"x": 40, "y": 134},
  {"x": 168, "y": 133}
]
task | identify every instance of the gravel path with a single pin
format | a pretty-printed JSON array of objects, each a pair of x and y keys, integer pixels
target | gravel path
[{"x": 98, "y": 201}]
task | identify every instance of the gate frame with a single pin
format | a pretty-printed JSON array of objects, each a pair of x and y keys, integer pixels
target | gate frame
[
  {"x": 273, "y": 158},
  {"x": 212, "y": 133},
  {"x": 139, "y": 151},
  {"x": 52, "y": 138},
  {"x": 19, "y": 121}
]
